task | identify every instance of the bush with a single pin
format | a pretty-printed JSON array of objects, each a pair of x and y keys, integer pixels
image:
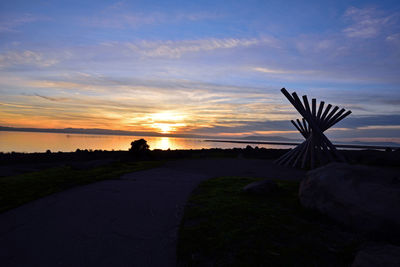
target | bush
[{"x": 139, "y": 146}]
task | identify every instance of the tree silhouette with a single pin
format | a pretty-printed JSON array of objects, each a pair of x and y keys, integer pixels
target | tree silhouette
[{"x": 139, "y": 146}]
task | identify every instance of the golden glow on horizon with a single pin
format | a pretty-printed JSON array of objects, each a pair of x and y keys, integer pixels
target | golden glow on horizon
[
  {"x": 71, "y": 103},
  {"x": 166, "y": 116},
  {"x": 163, "y": 127},
  {"x": 166, "y": 122}
]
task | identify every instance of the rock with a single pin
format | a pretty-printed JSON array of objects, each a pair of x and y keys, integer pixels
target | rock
[
  {"x": 364, "y": 198},
  {"x": 376, "y": 255},
  {"x": 261, "y": 187}
]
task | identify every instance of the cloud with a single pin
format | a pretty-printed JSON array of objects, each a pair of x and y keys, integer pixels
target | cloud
[
  {"x": 120, "y": 21},
  {"x": 366, "y": 22},
  {"x": 175, "y": 49},
  {"x": 206, "y": 109},
  {"x": 120, "y": 16},
  {"x": 11, "y": 23},
  {"x": 356, "y": 127},
  {"x": 241, "y": 128},
  {"x": 129, "y": 101},
  {"x": 26, "y": 57},
  {"x": 361, "y": 122},
  {"x": 282, "y": 71},
  {"x": 382, "y": 127},
  {"x": 394, "y": 39},
  {"x": 104, "y": 84},
  {"x": 55, "y": 99}
]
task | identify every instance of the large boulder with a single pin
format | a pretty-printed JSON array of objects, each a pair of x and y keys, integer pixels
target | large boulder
[
  {"x": 364, "y": 198},
  {"x": 378, "y": 255}
]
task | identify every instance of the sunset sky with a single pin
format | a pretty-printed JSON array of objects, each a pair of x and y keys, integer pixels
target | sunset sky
[{"x": 199, "y": 67}]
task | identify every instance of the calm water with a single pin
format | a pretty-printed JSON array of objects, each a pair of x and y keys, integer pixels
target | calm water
[{"x": 40, "y": 142}]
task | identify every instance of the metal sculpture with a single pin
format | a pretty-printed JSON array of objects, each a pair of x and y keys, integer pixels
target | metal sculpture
[{"x": 316, "y": 150}]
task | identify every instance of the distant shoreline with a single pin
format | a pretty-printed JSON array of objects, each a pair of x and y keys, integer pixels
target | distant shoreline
[
  {"x": 93, "y": 132},
  {"x": 295, "y": 144},
  {"x": 272, "y": 140},
  {"x": 132, "y": 133}
]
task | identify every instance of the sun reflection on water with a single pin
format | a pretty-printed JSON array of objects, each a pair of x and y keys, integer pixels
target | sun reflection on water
[{"x": 163, "y": 143}]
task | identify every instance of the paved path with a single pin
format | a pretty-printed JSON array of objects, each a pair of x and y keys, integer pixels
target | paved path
[{"x": 128, "y": 222}]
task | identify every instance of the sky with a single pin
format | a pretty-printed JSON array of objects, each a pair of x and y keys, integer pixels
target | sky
[{"x": 210, "y": 68}]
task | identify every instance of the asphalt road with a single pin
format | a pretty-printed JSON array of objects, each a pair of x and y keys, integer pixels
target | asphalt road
[{"x": 132, "y": 221}]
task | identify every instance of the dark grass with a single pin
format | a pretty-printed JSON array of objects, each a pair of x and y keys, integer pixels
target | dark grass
[
  {"x": 224, "y": 227},
  {"x": 20, "y": 189}
]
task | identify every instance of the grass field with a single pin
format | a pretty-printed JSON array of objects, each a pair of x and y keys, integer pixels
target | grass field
[
  {"x": 224, "y": 227},
  {"x": 20, "y": 189}
]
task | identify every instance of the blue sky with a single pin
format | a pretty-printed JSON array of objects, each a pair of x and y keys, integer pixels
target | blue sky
[{"x": 201, "y": 67}]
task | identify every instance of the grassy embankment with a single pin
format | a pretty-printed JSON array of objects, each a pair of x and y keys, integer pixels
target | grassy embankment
[
  {"x": 20, "y": 189},
  {"x": 224, "y": 227}
]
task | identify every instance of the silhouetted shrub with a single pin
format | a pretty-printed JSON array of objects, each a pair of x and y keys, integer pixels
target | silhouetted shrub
[{"x": 139, "y": 146}]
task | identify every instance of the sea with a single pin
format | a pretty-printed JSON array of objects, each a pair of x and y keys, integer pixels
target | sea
[{"x": 41, "y": 142}]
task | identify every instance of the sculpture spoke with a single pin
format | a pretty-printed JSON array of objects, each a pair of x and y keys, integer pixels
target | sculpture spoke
[{"x": 316, "y": 149}]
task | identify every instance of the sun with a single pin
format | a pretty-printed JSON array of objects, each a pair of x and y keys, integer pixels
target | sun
[
  {"x": 166, "y": 122},
  {"x": 167, "y": 116},
  {"x": 164, "y": 127}
]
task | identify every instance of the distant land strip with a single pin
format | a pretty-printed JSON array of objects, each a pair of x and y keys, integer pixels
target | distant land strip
[
  {"x": 295, "y": 144},
  {"x": 95, "y": 132},
  {"x": 277, "y": 140}
]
